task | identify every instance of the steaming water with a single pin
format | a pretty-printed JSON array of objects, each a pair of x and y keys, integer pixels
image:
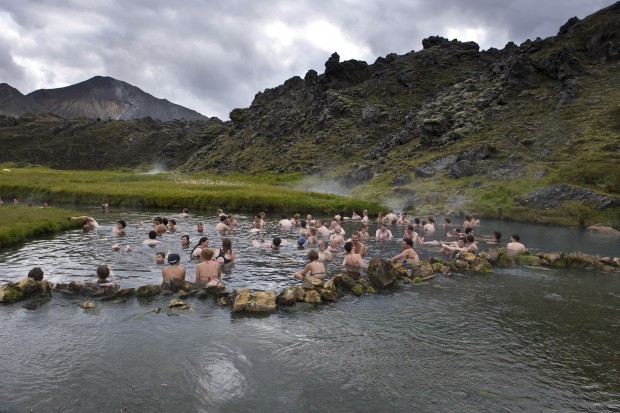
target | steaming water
[{"x": 523, "y": 339}]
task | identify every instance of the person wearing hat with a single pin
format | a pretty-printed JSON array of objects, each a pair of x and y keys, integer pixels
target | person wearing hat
[
  {"x": 301, "y": 241},
  {"x": 174, "y": 271}
]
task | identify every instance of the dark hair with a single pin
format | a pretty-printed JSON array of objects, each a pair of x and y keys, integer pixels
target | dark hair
[
  {"x": 223, "y": 218},
  {"x": 276, "y": 241},
  {"x": 164, "y": 221},
  {"x": 163, "y": 254},
  {"x": 516, "y": 237},
  {"x": 172, "y": 221},
  {"x": 36, "y": 274},
  {"x": 416, "y": 220},
  {"x": 103, "y": 272},
  {"x": 497, "y": 234},
  {"x": 226, "y": 245},
  {"x": 470, "y": 238},
  {"x": 122, "y": 222},
  {"x": 152, "y": 234},
  {"x": 348, "y": 246},
  {"x": 409, "y": 241},
  {"x": 200, "y": 241},
  {"x": 410, "y": 227},
  {"x": 303, "y": 223},
  {"x": 185, "y": 236},
  {"x": 468, "y": 230},
  {"x": 448, "y": 220}
]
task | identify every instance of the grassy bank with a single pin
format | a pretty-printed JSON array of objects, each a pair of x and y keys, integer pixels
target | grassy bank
[
  {"x": 168, "y": 190},
  {"x": 21, "y": 222}
]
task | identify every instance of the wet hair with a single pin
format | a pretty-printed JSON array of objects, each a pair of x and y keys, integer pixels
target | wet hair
[
  {"x": 416, "y": 220},
  {"x": 226, "y": 245},
  {"x": 157, "y": 219},
  {"x": 103, "y": 272},
  {"x": 185, "y": 210},
  {"x": 185, "y": 236},
  {"x": 313, "y": 231},
  {"x": 36, "y": 274},
  {"x": 303, "y": 223},
  {"x": 431, "y": 220},
  {"x": 163, "y": 254},
  {"x": 410, "y": 227},
  {"x": 448, "y": 221},
  {"x": 468, "y": 230},
  {"x": 516, "y": 237},
  {"x": 313, "y": 255},
  {"x": 470, "y": 238},
  {"x": 348, "y": 246},
  {"x": 337, "y": 230},
  {"x": 172, "y": 221},
  {"x": 152, "y": 235},
  {"x": 200, "y": 241},
  {"x": 276, "y": 241},
  {"x": 409, "y": 241},
  {"x": 323, "y": 243},
  {"x": 164, "y": 221},
  {"x": 497, "y": 235},
  {"x": 467, "y": 218},
  {"x": 206, "y": 254},
  {"x": 223, "y": 218},
  {"x": 122, "y": 222},
  {"x": 200, "y": 224}
]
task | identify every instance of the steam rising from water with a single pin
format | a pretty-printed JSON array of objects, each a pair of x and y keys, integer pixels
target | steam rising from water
[{"x": 156, "y": 168}]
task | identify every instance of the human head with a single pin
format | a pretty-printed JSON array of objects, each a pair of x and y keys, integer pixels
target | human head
[
  {"x": 303, "y": 223},
  {"x": 417, "y": 221},
  {"x": 408, "y": 242},
  {"x": 448, "y": 221},
  {"x": 157, "y": 220},
  {"x": 200, "y": 227},
  {"x": 121, "y": 224},
  {"x": 159, "y": 257},
  {"x": 313, "y": 255},
  {"x": 410, "y": 228},
  {"x": 470, "y": 238},
  {"x": 164, "y": 221},
  {"x": 223, "y": 218},
  {"x": 152, "y": 234},
  {"x": 469, "y": 230},
  {"x": 319, "y": 223},
  {"x": 226, "y": 244},
  {"x": 172, "y": 222},
  {"x": 309, "y": 218},
  {"x": 206, "y": 254},
  {"x": 185, "y": 210},
  {"x": 185, "y": 240},
  {"x": 497, "y": 235},
  {"x": 204, "y": 241},
  {"x": 174, "y": 258},
  {"x": 322, "y": 245},
  {"x": 431, "y": 220},
  {"x": 355, "y": 237},
  {"x": 36, "y": 274},
  {"x": 338, "y": 230},
  {"x": 313, "y": 231},
  {"x": 103, "y": 272},
  {"x": 348, "y": 246},
  {"x": 516, "y": 237},
  {"x": 276, "y": 242},
  {"x": 301, "y": 241}
]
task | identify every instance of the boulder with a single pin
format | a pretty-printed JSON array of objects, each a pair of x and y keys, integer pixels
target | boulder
[
  {"x": 120, "y": 294},
  {"x": 180, "y": 304},
  {"x": 310, "y": 282},
  {"x": 328, "y": 295},
  {"x": 88, "y": 304},
  {"x": 9, "y": 293},
  {"x": 240, "y": 300},
  {"x": 422, "y": 269},
  {"x": 148, "y": 291},
  {"x": 381, "y": 272},
  {"x": 468, "y": 257},
  {"x": 261, "y": 301},
  {"x": 358, "y": 290},
  {"x": 553, "y": 195},
  {"x": 300, "y": 293},
  {"x": 481, "y": 266},
  {"x": 312, "y": 296},
  {"x": 504, "y": 259},
  {"x": 287, "y": 296},
  {"x": 28, "y": 286}
]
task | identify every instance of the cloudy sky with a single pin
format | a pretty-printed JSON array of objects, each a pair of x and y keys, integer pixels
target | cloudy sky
[{"x": 215, "y": 55}]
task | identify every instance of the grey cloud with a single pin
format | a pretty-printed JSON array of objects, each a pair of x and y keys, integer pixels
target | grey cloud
[{"x": 215, "y": 55}]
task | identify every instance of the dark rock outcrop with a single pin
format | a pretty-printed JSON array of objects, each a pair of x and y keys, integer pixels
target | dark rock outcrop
[{"x": 553, "y": 195}]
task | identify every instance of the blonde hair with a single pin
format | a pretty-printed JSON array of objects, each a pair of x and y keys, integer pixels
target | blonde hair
[{"x": 206, "y": 254}]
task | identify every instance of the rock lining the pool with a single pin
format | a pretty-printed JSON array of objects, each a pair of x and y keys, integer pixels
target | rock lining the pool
[{"x": 382, "y": 275}]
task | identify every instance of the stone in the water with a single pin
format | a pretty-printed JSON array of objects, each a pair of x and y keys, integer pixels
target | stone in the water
[
  {"x": 88, "y": 304},
  {"x": 240, "y": 300},
  {"x": 310, "y": 282},
  {"x": 287, "y": 296},
  {"x": 312, "y": 296},
  {"x": 261, "y": 301},
  {"x": 381, "y": 272}
]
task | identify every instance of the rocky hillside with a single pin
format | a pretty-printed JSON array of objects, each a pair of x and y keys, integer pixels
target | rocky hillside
[
  {"x": 99, "y": 97},
  {"x": 438, "y": 129}
]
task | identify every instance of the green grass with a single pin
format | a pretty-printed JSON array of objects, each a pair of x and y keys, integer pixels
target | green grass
[
  {"x": 171, "y": 190},
  {"x": 21, "y": 222}
]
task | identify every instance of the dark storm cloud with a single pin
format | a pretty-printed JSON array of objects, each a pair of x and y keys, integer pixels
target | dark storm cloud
[{"x": 214, "y": 56}]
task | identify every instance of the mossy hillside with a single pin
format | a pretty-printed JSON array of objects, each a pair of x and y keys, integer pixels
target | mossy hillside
[
  {"x": 170, "y": 190},
  {"x": 21, "y": 222}
]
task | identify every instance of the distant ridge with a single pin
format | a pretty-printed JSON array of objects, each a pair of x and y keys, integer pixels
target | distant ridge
[
  {"x": 14, "y": 103},
  {"x": 100, "y": 97}
]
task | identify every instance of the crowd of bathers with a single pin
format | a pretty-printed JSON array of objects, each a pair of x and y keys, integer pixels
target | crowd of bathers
[{"x": 325, "y": 240}]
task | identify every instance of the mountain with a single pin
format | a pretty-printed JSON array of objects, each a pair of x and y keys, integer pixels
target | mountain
[
  {"x": 14, "y": 103},
  {"x": 439, "y": 129},
  {"x": 106, "y": 98}
]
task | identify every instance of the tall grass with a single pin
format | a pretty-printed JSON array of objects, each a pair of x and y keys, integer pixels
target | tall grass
[
  {"x": 168, "y": 190},
  {"x": 20, "y": 222}
]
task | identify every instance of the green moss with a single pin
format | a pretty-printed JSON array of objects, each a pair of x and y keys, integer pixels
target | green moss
[
  {"x": 357, "y": 290},
  {"x": 11, "y": 293},
  {"x": 417, "y": 280}
]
